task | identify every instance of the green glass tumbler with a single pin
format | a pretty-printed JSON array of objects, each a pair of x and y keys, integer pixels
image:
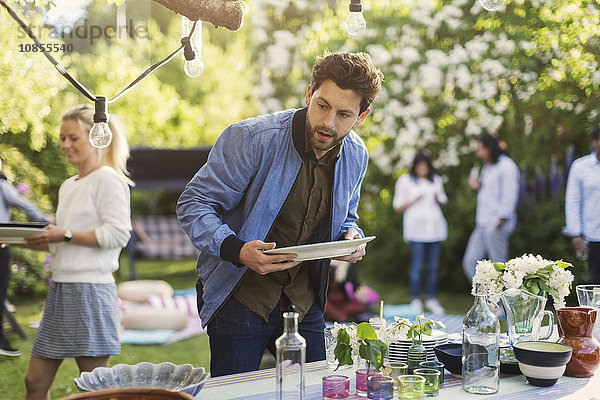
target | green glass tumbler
[
  {"x": 432, "y": 380},
  {"x": 411, "y": 387}
]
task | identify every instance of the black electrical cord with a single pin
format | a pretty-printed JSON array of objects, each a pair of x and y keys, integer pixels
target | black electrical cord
[{"x": 79, "y": 86}]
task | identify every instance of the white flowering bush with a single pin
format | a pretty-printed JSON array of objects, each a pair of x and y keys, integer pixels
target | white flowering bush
[
  {"x": 453, "y": 70},
  {"x": 533, "y": 273}
]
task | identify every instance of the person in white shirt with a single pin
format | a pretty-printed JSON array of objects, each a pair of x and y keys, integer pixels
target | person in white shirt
[
  {"x": 497, "y": 197},
  {"x": 420, "y": 195},
  {"x": 93, "y": 224},
  {"x": 582, "y": 207}
]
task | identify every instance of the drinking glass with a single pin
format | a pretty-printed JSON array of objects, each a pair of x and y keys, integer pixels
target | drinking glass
[
  {"x": 434, "y": 365},
  {"x": 380, "y": 387},
  {"x": 336, "y": 387},
  {"x": 589, "y": 296},
  {"x": 361, "y": 380},
  {"x": 432, "y": 380},
  {"x": 394, "y": 369},
  {"x": 330, "y": 343},
  {"x": 411, "y": 387}
]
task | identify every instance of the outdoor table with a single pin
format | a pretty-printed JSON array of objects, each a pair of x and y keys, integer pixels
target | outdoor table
[{"x": 257, "y": 385}]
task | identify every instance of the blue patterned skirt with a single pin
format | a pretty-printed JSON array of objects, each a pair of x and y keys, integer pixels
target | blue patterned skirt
[{"x": 80, "y": 319}]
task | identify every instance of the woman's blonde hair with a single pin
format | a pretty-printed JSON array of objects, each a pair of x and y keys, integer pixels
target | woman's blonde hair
[{"x": 117, "y": 153}]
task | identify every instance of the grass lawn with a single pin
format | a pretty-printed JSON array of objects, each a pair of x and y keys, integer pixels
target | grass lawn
[{"x": 195, "y": 351}]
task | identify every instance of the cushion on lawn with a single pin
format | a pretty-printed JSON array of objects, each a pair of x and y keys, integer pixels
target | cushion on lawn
[
  {"x": 185, "y": 303},
  {"x": 147, "y": 318},
  {"x": 140, "y": 290},
  {"x": 162, "y": 237}
]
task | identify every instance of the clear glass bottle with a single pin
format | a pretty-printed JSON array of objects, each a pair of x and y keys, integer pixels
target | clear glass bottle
[
  {"x": 481, "y": 343},
  {"x": 291, "y": 354}
]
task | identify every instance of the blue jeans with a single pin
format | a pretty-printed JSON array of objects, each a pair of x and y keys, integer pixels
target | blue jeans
[
  {"x": 239, "y": 337},
  {"x": 420, "y": 252}
]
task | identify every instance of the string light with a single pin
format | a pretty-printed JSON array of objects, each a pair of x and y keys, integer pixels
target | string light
[
  {"x": 355, "y": 23},
  {"x": 492, "y": 5},
  {"x": 100, "y": 135},
  {"x": 191, "y": 38}
]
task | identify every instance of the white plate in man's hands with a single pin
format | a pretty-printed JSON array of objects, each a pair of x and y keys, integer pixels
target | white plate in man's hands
[{"x": 316, "y": 251}]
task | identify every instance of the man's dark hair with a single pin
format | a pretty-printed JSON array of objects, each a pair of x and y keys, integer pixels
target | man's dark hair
[
  {"x": 354, "y": 71},
  {"x": 420, "y": 157},
  {"x": 491, "y": 143},
  {"x": 596, "y": 133}
]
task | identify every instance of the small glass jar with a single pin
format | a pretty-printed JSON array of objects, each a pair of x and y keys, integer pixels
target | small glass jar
[
  {"x": 432, "y": 380},
  {"x": 434, "y": 365},
  {"x": 336, "y": 387},
  {"x": 361, "y": 380},
  {"x": 411, "y": 387},
  {"x": 380, "y": 387}
]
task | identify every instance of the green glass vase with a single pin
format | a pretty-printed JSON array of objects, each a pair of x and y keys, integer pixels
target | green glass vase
[{"x": 417, "y": 353}]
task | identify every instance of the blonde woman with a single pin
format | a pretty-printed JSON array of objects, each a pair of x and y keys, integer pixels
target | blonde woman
[{"x": 93, "y": 224}]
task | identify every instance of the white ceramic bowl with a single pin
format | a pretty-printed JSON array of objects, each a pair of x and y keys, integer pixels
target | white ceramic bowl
[
  {"x": 178, "y": 378},
  {"x": 542, "y": 376}
]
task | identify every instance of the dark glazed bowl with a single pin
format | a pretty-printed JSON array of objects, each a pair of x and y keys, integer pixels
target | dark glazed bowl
[
  {"x": 542, "y": 362},
  {"x": 450, "y": 354},
  {"x": 542, "y": 354}
]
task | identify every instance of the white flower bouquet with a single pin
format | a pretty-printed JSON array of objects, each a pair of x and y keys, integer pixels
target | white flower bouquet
[{"x": 528, "y": 272}]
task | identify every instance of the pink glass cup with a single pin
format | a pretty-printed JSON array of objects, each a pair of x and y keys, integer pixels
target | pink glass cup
[
  {"x": 361, "y": 380},
  {"x": 336, "y": 387}
]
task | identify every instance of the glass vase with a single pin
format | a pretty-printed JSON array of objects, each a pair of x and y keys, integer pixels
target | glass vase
[{"x": 417, "y": 353}]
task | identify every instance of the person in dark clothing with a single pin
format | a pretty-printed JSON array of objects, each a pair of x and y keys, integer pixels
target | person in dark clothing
[{"x": 9, "y": 198}]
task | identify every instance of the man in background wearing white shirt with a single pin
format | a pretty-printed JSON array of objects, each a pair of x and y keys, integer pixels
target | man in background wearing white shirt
[
  {"x": 497, "y": 196},
  {"x": 582, "y": 207}
]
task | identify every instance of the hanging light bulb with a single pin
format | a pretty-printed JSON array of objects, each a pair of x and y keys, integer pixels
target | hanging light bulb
[
  {"x": 492, "y": 5},
  {"x": 100, "y": 135},
  {"x": 355, "y": 23},
  {"x": 192, "y": 54},
  {"x": 193, "y": 68}
]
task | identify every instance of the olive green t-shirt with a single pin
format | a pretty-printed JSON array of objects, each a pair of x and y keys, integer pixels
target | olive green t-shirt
[{"x": 307, "y": 206}]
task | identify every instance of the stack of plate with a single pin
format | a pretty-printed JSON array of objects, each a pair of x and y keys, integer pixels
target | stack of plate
[{"x": 398, "y": 351}]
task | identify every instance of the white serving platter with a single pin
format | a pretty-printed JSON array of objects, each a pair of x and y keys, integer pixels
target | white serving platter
[
  {"x": 316, "y": 251},
  {"x": 15, "y": 232}
]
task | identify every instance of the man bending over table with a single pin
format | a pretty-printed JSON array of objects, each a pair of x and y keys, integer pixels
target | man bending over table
[{"x": 284, "y": 179}]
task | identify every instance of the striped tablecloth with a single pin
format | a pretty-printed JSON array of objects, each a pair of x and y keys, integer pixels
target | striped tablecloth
[{"x": 259, "y": 385}]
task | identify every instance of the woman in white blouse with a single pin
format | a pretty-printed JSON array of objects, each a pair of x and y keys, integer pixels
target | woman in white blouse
[{"x": 420, "y": 195}]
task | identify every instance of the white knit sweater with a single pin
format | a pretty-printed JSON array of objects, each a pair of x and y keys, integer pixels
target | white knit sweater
[{"x": 100, "y": 201}]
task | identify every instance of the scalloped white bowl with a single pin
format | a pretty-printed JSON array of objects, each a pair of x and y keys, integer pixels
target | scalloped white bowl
[{"x": 179, "y": 378}]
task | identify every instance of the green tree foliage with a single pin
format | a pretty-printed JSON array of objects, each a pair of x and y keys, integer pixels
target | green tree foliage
[{"x": 167, "y": 109}]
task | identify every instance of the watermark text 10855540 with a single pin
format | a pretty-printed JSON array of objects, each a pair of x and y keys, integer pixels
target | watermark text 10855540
[{"x": 34, "y": 48}]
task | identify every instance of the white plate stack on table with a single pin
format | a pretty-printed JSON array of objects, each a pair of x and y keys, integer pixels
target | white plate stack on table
[{"x": 398, "y": 351}]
